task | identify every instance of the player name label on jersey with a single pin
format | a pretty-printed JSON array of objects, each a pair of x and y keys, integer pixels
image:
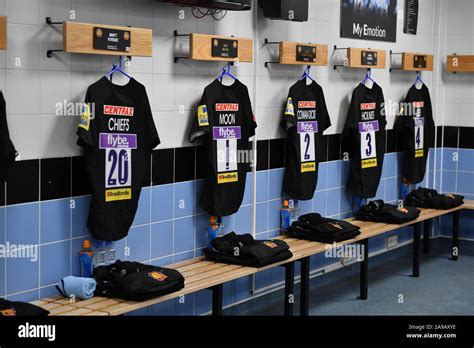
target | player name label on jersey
[{"x": 118, "y": 110}]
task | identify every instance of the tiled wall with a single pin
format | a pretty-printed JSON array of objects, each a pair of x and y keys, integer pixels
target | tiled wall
[{"x": 45, "y": 201}]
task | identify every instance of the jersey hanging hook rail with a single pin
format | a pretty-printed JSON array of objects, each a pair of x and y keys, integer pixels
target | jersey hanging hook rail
[
  {"x": 267, "y": 42},
  {"x": 337, "y": 49},
  {"x": 49, "y": 53},
  {"x": 392, "y": 54}
]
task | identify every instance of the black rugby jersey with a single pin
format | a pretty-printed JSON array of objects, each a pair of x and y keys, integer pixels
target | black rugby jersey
[
  {"x": 306, "y": 118},
  {"x": 118, "y": 134},
  {"x": 226, "y": 122}
]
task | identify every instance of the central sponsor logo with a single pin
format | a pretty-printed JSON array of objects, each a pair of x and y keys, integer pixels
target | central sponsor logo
[
  {"x": 307, "y": 104},
  {"x": 226, "y": 132},
  {"x": 118, "y": 110},
  {"x": 117, "y": 141},
  {"x": 419, "y": 104},
  {"x": 371, "y": 126},
  {"x": 225, "y": 178},
  {"x": 227, "y": 107},
  {"x": 367, "y": 106},
  {"x": 308, "y": 127},
  {"x": 118, "y": 194}
]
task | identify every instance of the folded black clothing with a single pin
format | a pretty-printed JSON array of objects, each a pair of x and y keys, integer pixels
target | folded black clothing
[
  {"x": 135, "y": 281},
  {"x": 246, "y": 251},
  {"x": 18, "y": 309},
  {"x": 379, "y": 211},
  {"x": 429, "y": 198},
  {"x": 316, "y": 228}
]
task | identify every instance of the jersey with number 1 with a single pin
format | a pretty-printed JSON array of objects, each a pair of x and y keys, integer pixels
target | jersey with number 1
[
  {"x": 306, "y": 118},
  {"x": 365, "y": 127},
  {"x": 118, "y": 134},
  {"x": 416, "y": 128},
  {"x": 225, "y": 121}
]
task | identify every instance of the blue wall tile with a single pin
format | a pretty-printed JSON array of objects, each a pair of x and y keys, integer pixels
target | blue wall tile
[
  {"x": 345, "y": 168},
  {"x": 275, "y": 183},
  {"x": 200, "y": 234},
  {"x": 199, "y": 185},
  {"x": 449, "y": 181},
  {"x": 465, "y": 182},
  {"x": 390, "y": 165},
  {"x": 50, "y": 255},
  {"x": 248, "y": 189},
  {"x": 448, "y": 156},
  {"x": 334, "y": 174},
  {"x": 183, "y": 234},
  {"x": 162, "y": 309},
  {"x": 76, "y": 247},
  {"x": 25, "y": 296},
  {"x": 138, "y": 240},
  {"x": 242, "y": 220},
  {"x": 23, "y": 223},
  {"x": 17, "y": 266},
  {"x": 48, "y": 291},
  {"x": 322, "y": 177},
  {"x": 161, "y": 239},
  {"x": 262, "y": 186},
  {"x": 185, "y": 308},
  {"x": 305, "y": 206},
  {"x": 203, "y": 302},
  {"x": 162, "y": 208},
  {"x": 466, "y": 160},
  {"x": 262, "y": 217},
  {"x": 79, "y": 215},
  {"x": 392, "y": 189},
  {"x": 2, "y": 276},
  {"x": 332, "y": 202},
  {"x": 345, "y": 204},
  {"x": 55, "y": 220},
  {"x": 274, "y": 220},
  {"x": 380, "y": 194},
  {"x": 319, "y": 202},
  {"x": 184, "y": 199},
  {"x": 142, "y": 215}
]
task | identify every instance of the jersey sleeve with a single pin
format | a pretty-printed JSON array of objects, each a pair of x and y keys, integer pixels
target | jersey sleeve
[
  {"x": 430, "y": 126},
  {"x": 323, "y": 114},
  {"x": 153, "y": 139},
  {"x": 200, "y": 124},
  {"x": 250, "y": 115},
  {"x": 289, "y": 118},
  {"x": 84, "y": 132}
]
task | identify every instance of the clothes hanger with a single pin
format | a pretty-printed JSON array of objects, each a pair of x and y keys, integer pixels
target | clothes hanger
[
  {"x": 368, "y": 77},
  {"x": 226, "y": 72},
  {"x": 306, "y": 73},
  {"x": 117, "y": 68},
  {"x": 418, "y": 79}
]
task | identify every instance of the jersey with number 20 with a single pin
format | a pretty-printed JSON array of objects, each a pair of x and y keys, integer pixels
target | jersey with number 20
[{"x": 118, "y": 134}]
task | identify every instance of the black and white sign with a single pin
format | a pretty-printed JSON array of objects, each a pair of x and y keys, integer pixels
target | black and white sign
[
  {"x": 410, "y": 24},
  {"x": 225, "y": 48},
  {"x": 111, "y": 39},
  {"x": 369, "y": 19},
  {"x": 305, "y": 54}
]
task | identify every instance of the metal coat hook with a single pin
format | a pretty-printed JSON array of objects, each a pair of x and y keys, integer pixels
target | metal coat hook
[
  {"x": 391, "y": 54},
  {"x": 177, "y": 34},
  {"x": 337, "y": 49},
  {"x": 49, "y": 53}
]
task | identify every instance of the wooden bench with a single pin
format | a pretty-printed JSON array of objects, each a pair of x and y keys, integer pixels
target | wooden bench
[{"x": 201, "y": 274}]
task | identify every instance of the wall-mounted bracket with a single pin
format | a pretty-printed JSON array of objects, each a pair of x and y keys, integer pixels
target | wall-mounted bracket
[
  {"x": 217, "y": 48},
  {"x": 363, "y": 58},
  {"x": 88, "y": 38},
  {"x": 413, "y": 61},
  {"x": 460, "y": 63},
  {"x": 297, "y": 53}
]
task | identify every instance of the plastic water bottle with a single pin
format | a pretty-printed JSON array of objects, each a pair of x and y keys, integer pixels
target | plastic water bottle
[
  {"x": 294, "y": 210},
  {"x": 99, "y": 255},
  {"x": 109, "y": 253},
  {"x": 86, "y": 256},
  {"x": 285, "y": 217},
  {"x": 212, "y": 230}
]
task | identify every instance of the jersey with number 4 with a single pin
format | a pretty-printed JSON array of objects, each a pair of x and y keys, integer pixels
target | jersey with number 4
[
  {"x": 225, "y": 121},
  {"x": 118, "y": 134},
  {"x": 306, "y": 118},
  {"x": 416, "y": 127},
  {"x": 365, "y": 127}
]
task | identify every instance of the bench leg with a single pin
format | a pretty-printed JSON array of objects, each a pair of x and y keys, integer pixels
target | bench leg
[
  {"x": 304, "y": 291},
  {"x": 364, "y": 271},
  {"x": 455, "y": 247},
  {"x": 217, "y": 295},
  {"x": 416, "y": 249},
  {"x": 289, "y": 288},
  {"x": 426, "y": 236}
]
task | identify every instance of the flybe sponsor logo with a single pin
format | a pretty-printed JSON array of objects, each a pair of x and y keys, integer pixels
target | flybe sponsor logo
[
  {"x": 419, "y": 104},
  {"x": 226, "y": 132},
  {"x": 367, "y": 106},
  {"x": 227, "y": 107},
  {"x": 308, "y": 127},
  {"x": 117, "y": 141},
  {"x": 372, "y": 126},
  {"x": 118, "y": 110},
  {"x": 306, "y": 104}
]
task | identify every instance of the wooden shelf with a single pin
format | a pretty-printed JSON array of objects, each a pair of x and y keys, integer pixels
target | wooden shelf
[
  {"x": 3, "y": 32},
  {"x": 415, "y": 61},
  {"x": 201, "y": 47},
  {"x": 355, "y": 58},
  {"x": 288, "y": 53},
  {"x": 78, "y": 38},
  {"x": 460, "y": 63}
]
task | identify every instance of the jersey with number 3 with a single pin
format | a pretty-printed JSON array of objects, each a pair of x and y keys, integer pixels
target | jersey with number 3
[
  {"x": 225, "y": 121},
  {"x": 365, "y": 127},
  {"x": 416, "y": 128},
  {"x": 117, "y": 132},
  {"x": 305, "y": 119}
]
